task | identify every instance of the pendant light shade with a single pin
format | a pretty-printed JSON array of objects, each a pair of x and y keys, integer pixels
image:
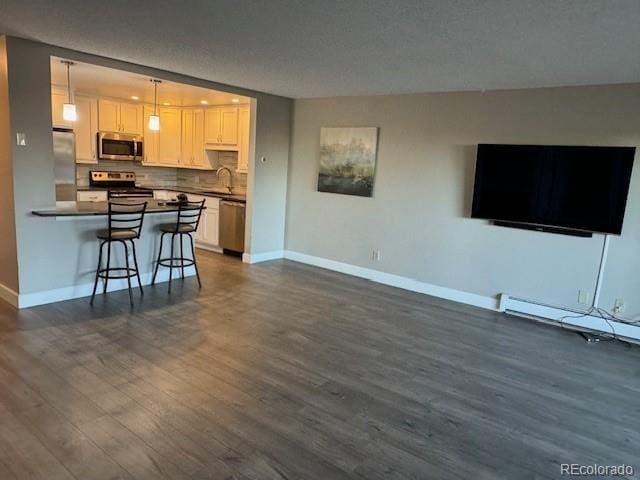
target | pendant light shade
[
  {"x": 69, "y": 112},
  {"x": 69, "y": 109},
  {"x": 154, "y": 120}
]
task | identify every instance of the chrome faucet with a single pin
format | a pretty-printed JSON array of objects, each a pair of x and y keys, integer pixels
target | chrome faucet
[{"x": 222, "y": 169}]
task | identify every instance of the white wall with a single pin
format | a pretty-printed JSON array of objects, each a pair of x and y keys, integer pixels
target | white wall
[{"x": 418, "y": 216}]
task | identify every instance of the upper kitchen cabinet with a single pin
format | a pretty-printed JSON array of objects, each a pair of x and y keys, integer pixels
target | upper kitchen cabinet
[
  {"x": 59, "y": 98},
  {"x": 86, "y": 129},
  {"x": 244, "y": 128},
  {"x": 151, "y": 139},
  {"x": 162, "y": 147},
  {"x": 169, "y": 136},
  {"x": 121, "y": 117},
  {"x": 221, "y": 128},
  {"x": 193, "y": 153}
]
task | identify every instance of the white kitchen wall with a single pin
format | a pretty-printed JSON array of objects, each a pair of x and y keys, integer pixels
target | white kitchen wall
[{"x": 419, "y": 214}]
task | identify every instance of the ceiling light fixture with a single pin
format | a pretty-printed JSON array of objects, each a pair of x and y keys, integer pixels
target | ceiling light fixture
[
  {"x": 235, "y": 100},
  {"x": 204, "y": 102},
  {"x": 69, "y": 109},
  {"x": 154, "y": 120}
]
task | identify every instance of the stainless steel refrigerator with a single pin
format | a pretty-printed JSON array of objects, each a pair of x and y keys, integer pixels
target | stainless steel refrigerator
[{"x": 64, "y": 150}]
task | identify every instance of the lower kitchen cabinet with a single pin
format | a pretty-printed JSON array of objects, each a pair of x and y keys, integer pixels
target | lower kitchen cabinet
[{"x": 207, "y": 236}]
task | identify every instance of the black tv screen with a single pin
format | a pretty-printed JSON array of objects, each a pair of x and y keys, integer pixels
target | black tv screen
[{"x": 576, "y": 188}]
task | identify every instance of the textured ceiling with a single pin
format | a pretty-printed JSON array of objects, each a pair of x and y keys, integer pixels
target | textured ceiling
[{"x": 351, "y": 47}]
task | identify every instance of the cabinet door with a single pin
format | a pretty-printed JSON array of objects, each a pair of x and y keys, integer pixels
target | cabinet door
[
  {"x": 186, "y": 157},
  {"x": 150, "y": 145},
  {"x": 210, "y": 234},
  {"x": 212, "y": 125},
  {"x": 131, "y": 118},
  {"x": 108, "y": 116},
  {"x": 244, "y": 126},
  {"x": 85, "y": 129},
  {"x": 198, "y": 153},
  {"x": 58, "y": 98},
  {"x": 229, "y": 126},
  {"x": 169, "y": 136}
]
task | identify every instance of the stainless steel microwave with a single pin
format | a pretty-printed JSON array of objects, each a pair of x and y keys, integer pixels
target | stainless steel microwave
[{"x": 119, "y": 146}]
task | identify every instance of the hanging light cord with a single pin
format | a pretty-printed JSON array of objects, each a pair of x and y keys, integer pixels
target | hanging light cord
[{"x": 68, "y": 64}]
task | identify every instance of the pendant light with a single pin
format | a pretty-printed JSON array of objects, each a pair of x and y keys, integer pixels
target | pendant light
[
  {"x": 154, "y": 120},
  {"x": 69, "y": 109}
]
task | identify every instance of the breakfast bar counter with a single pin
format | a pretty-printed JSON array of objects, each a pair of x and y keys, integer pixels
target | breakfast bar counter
[{"x": 84, "y": 209}]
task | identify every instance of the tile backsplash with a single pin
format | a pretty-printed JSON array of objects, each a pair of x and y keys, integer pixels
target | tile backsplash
[
  {"x": 174, "y": 177},
  {"x": 208, "y": 180}
]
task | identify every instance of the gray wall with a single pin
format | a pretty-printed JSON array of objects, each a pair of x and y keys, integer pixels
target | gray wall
[
  {"x": 418, "y": 216},
  {"x": 59, "y": 254},
  {"x": 267, "y": 182},
  {"x": 8, "y": 252}
]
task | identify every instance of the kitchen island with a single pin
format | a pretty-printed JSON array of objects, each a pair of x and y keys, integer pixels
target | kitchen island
[{"x": 73, "y": 241}]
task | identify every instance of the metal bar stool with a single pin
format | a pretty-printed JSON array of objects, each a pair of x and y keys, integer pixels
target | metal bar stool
[
  {"x": 186, "y": 224},
  {"x": 125, "y": 225}
]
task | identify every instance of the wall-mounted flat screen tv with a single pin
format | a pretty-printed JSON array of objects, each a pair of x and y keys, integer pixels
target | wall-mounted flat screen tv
[{"x": 576, "y": 188}]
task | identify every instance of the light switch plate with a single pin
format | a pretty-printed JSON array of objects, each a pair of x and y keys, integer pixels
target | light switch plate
[{"x": 21, "y": 139}]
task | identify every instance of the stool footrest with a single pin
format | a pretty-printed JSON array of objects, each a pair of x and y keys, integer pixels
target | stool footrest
[
  {"x": 176, "y": 262},
  {"x": 105, "y": 272}
]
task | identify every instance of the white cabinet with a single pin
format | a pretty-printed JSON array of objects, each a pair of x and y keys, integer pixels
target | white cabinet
[
  {"x": 193, "y": 154},
  {"x": 92, "y": 195},
  {"x": 131, "y": 118},
  {"x": 151, "y": 139},
  {"x": 121, "y": 117},
  {"x": 221, "y": 128},
  {"x": 244, "y": 130},
  {"x": 169, "y": 136},
  {"x": 58, "y": 99},
  {"x": 207, "y": 235},
  {"x": 86, "y": 129}
]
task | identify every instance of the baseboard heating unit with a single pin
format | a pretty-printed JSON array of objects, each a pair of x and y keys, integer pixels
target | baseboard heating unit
[{"x": 575, "y": 320}]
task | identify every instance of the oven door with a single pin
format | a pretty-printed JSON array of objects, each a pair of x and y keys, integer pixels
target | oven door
[{"x": 118, "y": 146}]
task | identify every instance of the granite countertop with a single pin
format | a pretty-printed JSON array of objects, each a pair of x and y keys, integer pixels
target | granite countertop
[
  {"x": 83, "y": 209},
  {"x": 195, "y": 191}
]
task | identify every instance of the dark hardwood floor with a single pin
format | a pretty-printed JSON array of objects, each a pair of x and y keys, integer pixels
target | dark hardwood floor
[{"x": 284, "y": 371}]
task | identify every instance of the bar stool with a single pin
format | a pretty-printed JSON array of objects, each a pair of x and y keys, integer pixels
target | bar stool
[
  {"x": 125, "y": 225},
  {"x": 186, "y": 224}
]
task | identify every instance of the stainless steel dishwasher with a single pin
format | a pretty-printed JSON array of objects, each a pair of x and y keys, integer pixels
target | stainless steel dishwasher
[{"x": 232, "y": 226}]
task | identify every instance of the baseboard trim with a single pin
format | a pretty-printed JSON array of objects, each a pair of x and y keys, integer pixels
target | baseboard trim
[
  {"x": 397, "y": 281},
  {"x": 26, "y": 300},
  {"x": 9, "y": 295},
  {"x": 262, "y": 257},
  {"x": 569, "y": 318}
]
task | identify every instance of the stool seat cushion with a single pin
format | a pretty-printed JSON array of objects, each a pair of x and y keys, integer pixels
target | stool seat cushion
[
  {"x": 117, "y": 234},
  {"x": 182, "y": 228}
]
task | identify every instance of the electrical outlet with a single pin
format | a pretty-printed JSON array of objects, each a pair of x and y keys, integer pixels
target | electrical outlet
[
  {"x": 375, "y": 255},
  {"x": 196, "y": 179},
  {"x": 618, "y": 306},
  {"x": 583, "y": 297}
]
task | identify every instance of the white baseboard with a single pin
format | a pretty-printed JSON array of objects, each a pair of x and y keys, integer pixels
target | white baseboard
[
  {"x": 398, "y": 281},
  {"x": 9, "y": 295},
  {"x": 569, "y": 318},
  {"x": 84, "y": 290},
  {"x": 262, "y": 257}
]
